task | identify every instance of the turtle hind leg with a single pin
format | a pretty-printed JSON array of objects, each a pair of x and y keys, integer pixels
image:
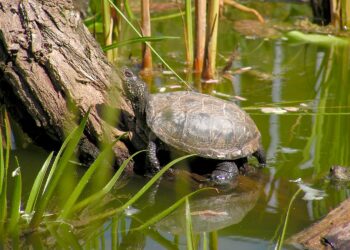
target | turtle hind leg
[
  {"x": 260, "y": 156},
  {"x": 224, "y": 173}
]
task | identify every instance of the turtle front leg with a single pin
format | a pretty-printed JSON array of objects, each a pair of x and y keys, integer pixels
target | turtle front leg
[
  {"x": 152, "y": 157},
  {"x": 260, "y": 156},
  {"x": 224, "y": 173}
]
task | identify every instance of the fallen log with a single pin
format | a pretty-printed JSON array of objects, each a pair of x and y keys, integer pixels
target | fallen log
[
  {"x": 52, "y": 71},
  {"x": 332, "y": 232}
]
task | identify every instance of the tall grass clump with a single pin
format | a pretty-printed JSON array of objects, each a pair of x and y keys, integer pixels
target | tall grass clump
[{"x": 63, "y": 222}]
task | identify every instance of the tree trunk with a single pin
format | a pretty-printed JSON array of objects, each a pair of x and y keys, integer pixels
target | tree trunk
[
  {"x": 332, "y": 232},
  {"x": 52, "y": 71}
]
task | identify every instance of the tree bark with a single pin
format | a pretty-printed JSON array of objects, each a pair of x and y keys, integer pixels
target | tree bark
[
  {"x": 332, "y": 232},
  {"x": 52, "y": 72}
]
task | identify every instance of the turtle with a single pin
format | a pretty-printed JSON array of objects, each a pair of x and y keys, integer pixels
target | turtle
[{"x": 193, "y": 123}]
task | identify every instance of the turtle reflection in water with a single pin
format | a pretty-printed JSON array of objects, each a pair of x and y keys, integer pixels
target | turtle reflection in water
[
  {"x": 216, "y": 211},
  {"x": 193, "y": 123}
]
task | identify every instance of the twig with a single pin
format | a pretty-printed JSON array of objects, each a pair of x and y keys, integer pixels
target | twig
[{"x": 245, "y": 9}]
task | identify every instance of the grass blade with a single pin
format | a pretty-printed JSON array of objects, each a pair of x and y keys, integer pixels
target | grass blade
[
  {"x": 189, "y": 33},
  {"x": 140, "y": 192},
  {"x": 58, "y": 156},
  {"x": 169, "y": 16},
  {"x": 62, "y": 163},
  {"x": 8, "y": 139},
  {"x": 189, "y": 231},
  {"x": 169, "y": 210},
  {"x": 153, "y": 180},
  {"x": 107, "y": 188},
  {"x": 4, "y": 164},
  {"x": 34, "y": 193},
  {"x": 138, "y": 40},
  {"x": 105, "y": 154},
  {"x": 16, "y": 202},
  {"x": 128, "y": 10},
  {"x": 3, "y": 189},
  {"x": 281, "y": 238}
]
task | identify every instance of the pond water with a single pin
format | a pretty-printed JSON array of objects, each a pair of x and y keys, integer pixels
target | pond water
[{"x": 298, "y": 96}]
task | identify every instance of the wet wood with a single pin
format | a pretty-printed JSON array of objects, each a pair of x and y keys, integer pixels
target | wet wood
[
  {"x": 52, "y": 71},
  {"x": 332, "y": 232}
]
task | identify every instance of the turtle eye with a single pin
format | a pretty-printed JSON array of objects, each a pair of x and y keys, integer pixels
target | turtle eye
[{"x": 128, "y": 73}]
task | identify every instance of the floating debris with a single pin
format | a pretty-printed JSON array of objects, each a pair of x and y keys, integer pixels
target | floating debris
[
  {"x": 242, "y": 70},
  {"x": 287, "y": 150},
  {"x": 129, "y": 211},
  {"x": 240, "y": 98},
  {"x": 162, "y": 89},
  {"x": 167, "y": 72},
  {"x": 211, "y": 81},
  {"x": 175, "y": 87},
  {"x": 221, "y": 94},
  {"x": 291, "y": 109},
  {"x": 270, "y": 110},
  {"x": 209, "y": 213},
  {"x": 310, "y": 193}
]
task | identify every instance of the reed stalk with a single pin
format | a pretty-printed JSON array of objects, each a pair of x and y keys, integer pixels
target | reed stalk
[
  {"x": 340, "y": 14},
  {"x": 345, "y": 15},
  {"x": 146, "y": 31},
  {"x": 189, "y": 33},
  {"x": 213, "y": 240},
  {"x": 212, "y": 33},
  {"x": 200, "y": 21},
  {"x": 116, "y": 27},
  {"x": 107, "y": 27}
]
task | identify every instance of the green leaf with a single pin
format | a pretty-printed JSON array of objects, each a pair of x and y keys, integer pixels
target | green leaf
[
  {"x": 107, "y": 188},
  {"x": 169, "y": 210},
  {"x": 105, "y": 154},
  {"x": 128, "y": 10},
  {"x": 16, "y": 202},
  {"x": 189, "y": 230},
  {"x": 318, "y": 39},
  {"x": 57, "y": 170},
  {"x": 138, "y": 194},
  {"x": 281, "y": 238},
  {"x": 153, "y": 180},
  {"x": 34, "y": 193}
]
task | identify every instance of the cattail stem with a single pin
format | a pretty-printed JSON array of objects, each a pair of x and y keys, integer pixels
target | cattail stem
[
  {"x": 212, "y": 33},
  {"x": 146, "y": 31},
  {"x": 189, "y": 33},
  {"x": 200, "y": 15}
]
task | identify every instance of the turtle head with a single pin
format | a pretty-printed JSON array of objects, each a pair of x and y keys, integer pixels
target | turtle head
[{"x": 135, "y": 89}]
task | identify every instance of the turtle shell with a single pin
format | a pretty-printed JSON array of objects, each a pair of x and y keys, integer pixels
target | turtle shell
[{"x": 205, "y": 125}]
